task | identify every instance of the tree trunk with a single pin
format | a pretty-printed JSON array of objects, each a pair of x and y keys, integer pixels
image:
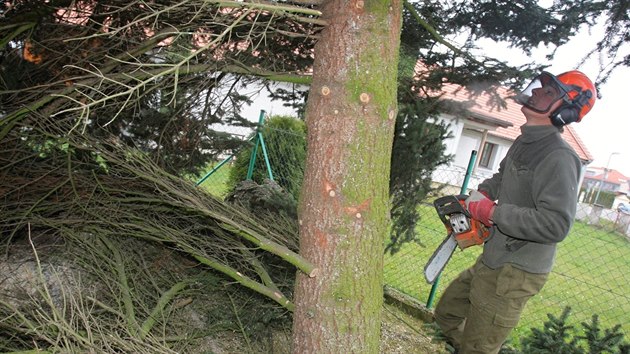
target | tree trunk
[{"x": 344, "y": 211}]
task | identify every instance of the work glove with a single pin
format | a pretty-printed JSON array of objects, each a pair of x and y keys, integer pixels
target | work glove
[{"x": 480, "y": 207}]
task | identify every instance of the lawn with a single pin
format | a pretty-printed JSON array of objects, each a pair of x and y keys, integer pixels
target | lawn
[
  {"x": 591, "y": 275},
  {"x": 215, "y": 183}
]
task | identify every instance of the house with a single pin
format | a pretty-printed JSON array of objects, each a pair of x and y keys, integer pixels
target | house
[
  {"x": 610, "y": 180},
  {"x": 607, "y": 180},
  {"x": 490, "y": 130}
]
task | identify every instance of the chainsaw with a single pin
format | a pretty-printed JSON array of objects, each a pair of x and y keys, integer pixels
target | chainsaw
[{"x": 462, "y": 229}]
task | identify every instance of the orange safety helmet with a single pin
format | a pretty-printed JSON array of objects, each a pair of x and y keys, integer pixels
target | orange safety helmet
[{"x": 574, "y": 88}]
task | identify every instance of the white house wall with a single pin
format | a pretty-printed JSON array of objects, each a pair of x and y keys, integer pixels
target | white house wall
[
  {"x": 455, "y": 128},
  {"x": 466, "y": 137},
  {"x": 467, "y": 143}
]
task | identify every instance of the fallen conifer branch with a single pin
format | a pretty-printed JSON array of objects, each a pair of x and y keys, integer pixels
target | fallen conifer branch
[{"x": 125, "y": 194}]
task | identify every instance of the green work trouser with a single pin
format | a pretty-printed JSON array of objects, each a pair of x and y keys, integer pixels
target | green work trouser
[{"x": 482, "y": 305}]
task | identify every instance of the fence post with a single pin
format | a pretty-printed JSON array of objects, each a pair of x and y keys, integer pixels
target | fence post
[
  {"x": 259, "y": 140},
  {"x": 252, "y": 157},
  {"x": 265, "y": 155},
  {"x": 471, "y": 165}
]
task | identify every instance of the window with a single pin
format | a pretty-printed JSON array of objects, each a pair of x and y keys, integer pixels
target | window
[{"x": 487, "y": 155}]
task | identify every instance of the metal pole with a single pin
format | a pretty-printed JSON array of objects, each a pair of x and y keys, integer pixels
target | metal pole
[
  {"x": 214, "y": 169},
  {"x": 471, "y": 166},
  {"x": 252, "y": 158},
  {"x": 264, "y": 149}
]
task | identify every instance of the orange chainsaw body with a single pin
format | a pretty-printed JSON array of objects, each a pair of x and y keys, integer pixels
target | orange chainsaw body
[{"x": 466, "y": 230}]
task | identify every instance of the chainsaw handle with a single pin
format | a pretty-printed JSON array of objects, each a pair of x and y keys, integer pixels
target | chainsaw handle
[{"x": 450, "y": 204}]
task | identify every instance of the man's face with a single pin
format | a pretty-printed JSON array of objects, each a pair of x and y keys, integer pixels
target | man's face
[
  {"x": 541, "y": 94},
  {"x": 544, "y": 97}
]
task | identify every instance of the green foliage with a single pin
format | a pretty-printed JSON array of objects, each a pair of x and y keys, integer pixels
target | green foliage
[
  {"x": 418, "y": 149},
  {"x": 457, "y": 18},
  {"x": 43, "y": 147},
  {"x": 523, "y": 24},
  {"x": 555, "y": 337},
  {"x": 169, "y": 114},
  {"x": 174, "y": 132},
  {"x": 285, "y": 141},
  {"x": 599, "y": 342},
  {"x": 558, "y": 337}
]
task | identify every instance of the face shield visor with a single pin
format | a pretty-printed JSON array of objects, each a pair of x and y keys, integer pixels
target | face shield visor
[{"x": 541, "y": 94}]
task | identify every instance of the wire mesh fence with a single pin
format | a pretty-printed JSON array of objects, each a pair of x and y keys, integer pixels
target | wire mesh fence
[
  {"x": 591, "y": 274},
  {"x": 275, "y": 150},
  {"x": 592, "y": 270},
  {"x": 215, "y": 178}
]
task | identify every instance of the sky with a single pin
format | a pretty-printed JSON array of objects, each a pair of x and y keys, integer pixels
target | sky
[{"x": 605, "y": 130}]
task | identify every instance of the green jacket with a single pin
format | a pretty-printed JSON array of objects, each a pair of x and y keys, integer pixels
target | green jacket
[{"x": 536, "y": 191}]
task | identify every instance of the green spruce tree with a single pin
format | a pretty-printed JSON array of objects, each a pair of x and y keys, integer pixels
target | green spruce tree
[
  {"x": 559, "y": 337},
  {"x": 554, "y": 338},
  {"x": 597, "y": 341}
]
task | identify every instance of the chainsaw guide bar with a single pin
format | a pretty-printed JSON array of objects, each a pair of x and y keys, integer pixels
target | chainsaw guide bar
[
  {"x": 440, "y": 257},
  {"x": 462, "y": 231}
]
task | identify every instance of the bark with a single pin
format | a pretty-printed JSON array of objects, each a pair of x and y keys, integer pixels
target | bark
[{"x": 344, "y": 211}]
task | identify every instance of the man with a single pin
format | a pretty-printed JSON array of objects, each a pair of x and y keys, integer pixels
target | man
[{"x": 536, "y": 192}]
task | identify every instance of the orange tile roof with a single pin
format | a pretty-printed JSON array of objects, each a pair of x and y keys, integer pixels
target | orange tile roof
[
  {"x": 481, "y": 105},
  {"x": 613, "y": 176}
]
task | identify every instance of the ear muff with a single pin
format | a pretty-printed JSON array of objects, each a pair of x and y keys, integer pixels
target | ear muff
[
  {"x": 569, "y": 112},
  {"x": 564, "y": 115}
]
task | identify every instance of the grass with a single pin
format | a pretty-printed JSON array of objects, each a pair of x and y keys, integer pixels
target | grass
[
  {"x": 591, "y": 274},
  {"x": 215, "y": 184}
]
